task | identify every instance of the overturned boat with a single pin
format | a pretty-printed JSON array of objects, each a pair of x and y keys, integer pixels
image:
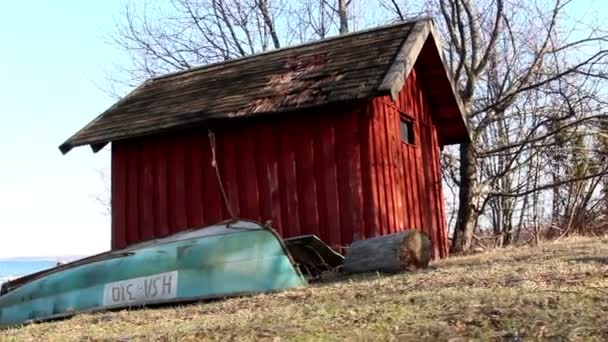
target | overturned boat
[{"x": 228, "y": 259}]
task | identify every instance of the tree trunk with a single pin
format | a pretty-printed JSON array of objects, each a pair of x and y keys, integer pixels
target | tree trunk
[
  {"x": 343, "y": 13},
  {"x": 408, "y": 250},
  {"x": 467, "y": 212}
]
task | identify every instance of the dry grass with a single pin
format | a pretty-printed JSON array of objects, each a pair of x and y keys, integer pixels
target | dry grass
[{"x": 556, "y": 292}]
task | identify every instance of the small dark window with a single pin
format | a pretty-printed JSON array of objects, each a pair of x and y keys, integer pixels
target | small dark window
[{"x": 407, "y": 131}]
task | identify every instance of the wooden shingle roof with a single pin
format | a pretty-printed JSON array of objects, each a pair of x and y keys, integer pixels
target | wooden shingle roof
[{"x": 349, "y": 67}]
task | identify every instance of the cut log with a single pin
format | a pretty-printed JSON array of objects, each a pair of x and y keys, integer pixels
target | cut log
[{"x": 407, "y": 250}]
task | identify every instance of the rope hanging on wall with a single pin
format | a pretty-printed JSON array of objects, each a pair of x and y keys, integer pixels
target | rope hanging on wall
[{"x": 219, "y": 177}]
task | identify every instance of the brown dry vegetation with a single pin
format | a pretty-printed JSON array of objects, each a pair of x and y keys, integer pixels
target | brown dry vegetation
[{"x": 557, "y": 292}]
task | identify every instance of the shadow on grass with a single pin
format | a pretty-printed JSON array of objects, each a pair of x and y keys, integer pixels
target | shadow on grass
[{"x": 591, "y": 259}]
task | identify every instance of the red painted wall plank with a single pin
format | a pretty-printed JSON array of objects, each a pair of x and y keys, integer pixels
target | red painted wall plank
[
  {"x": 441, "y": 199},
  {"x": 427, "y": 175},
  {"x": 160, "y": 153},
  {"x": 319, "y": 176},
  {"x": 263, "y": 164},
  {"x": 379, "y": 167},
  {"x": 414, "y": 205},
  {"x": 368, "y": 172},
  {"x": 437, "y": 197},
  {"x": 226, "y": 147},
  {"x": 306, "y": 184},
  {"x": 211, "y": 196},
  {"x": 329, "y": 183},
  {"x": 344, "y": 159},
  {"x": 193, "y": 179},
  {"x": 119, "y": 205},
  {"x": 394, "y": 131},
  {"x": 355, "y": 174},
  {"x": 288, "y": 181},
  {"x": 132, "y": 219},
  {"x": 405, "y": 188},
  {"x": 177, "y": 189},
  {"x": 146, "y": 193},
  {"x": 270, "y": 148},
  {"x": 391, "y": 145},
  {"x": 246, "y": 174}
]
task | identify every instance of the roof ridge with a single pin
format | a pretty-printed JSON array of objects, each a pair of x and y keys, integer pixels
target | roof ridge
[{"x": 286, "y": 48}]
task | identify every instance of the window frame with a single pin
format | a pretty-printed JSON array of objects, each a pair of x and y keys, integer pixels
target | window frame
[{"x": 410, "y": 123}]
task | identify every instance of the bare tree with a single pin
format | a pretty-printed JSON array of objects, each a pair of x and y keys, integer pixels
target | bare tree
[
  {"x": 514, "y": 63},
  {"x": 343, "y": 14},
  {"x": 187, "y": 33}
]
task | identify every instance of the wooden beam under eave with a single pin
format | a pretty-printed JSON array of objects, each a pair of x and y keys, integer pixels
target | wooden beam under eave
[
  {"x": 97, "y": 147},
  {"x": 447, "y": 113},
  {"x": 453, "y": 133}
]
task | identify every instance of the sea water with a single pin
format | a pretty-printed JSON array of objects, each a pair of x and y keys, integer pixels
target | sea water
[{"x": 14, "y": 268}]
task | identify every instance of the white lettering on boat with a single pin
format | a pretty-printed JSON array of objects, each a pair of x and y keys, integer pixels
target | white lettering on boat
[{"x": 141, "y": 290}]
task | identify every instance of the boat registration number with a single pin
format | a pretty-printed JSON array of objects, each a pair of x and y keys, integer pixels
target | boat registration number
[{"x": 143, "y": 289}]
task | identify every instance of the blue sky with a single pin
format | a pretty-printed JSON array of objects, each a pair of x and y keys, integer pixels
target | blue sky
[
  {"x": 53, "y": 67},
  {"x": 54, "y": 60}
]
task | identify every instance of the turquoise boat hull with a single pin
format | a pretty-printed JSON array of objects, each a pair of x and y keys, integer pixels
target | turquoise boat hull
[{"x": 228, "y": 259}]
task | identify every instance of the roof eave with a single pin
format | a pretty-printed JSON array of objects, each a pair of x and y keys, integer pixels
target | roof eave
[{"x": 73, "y": 141}]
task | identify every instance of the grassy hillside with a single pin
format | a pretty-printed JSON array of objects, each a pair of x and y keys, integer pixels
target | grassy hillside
[{"x": 558, "y": 291}]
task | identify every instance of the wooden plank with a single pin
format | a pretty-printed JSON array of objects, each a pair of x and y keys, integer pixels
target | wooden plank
[
  {"x": 415, "y": 184},
  {"x": 119, "y": 196},
  {"x": 433, "y": 176},
  {"x": 380, "y": 157},
  {"x": 272, "y": 173},
  {"x": 329, "y": 182},
  {"x": 394, "y": 127},
  {"x": 305, "y": 170},
  {"x": 355, "y": 174},
  {"x": 388, "y": 172},
  {"x": 320, "y": 167},
  {"x": 288, "y": 181},
  {"x": 263, "y": 166},
  {"x": 435, "y": 179},
  {"x": 133, "y": 200},
  {"x": 211, "y": 195},
  {"x": 427, "y": 175},
  {"x": 410, "y": 106},
  {"x": 421, "y": 189},
  {"x": 349, "y": 188},
  {"x": 146, "y": 192},
  {"x": 194, "y": 180},
  {"x": 424, "y": 163},
  {"x": 410, "y": 217},
  {"x": 247, "y": 174},
  {"x": 226, "y": 158},
  {"x": 414, "y": 155},
  {"x": 440, "y": 199},
  {"x": 369, "y": 169},
  {"x": 407, "y": 202},
  {"x": 177, "y": 187},
  {"x": 161, "y": 188},
  {"x": 406, "y": 104}
]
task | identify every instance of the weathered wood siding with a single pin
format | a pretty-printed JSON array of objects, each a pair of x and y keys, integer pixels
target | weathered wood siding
[{"x": 340, "y": 172}]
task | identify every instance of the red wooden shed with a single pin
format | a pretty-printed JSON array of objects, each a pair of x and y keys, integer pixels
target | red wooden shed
[{"x": 340, "y": 138}]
